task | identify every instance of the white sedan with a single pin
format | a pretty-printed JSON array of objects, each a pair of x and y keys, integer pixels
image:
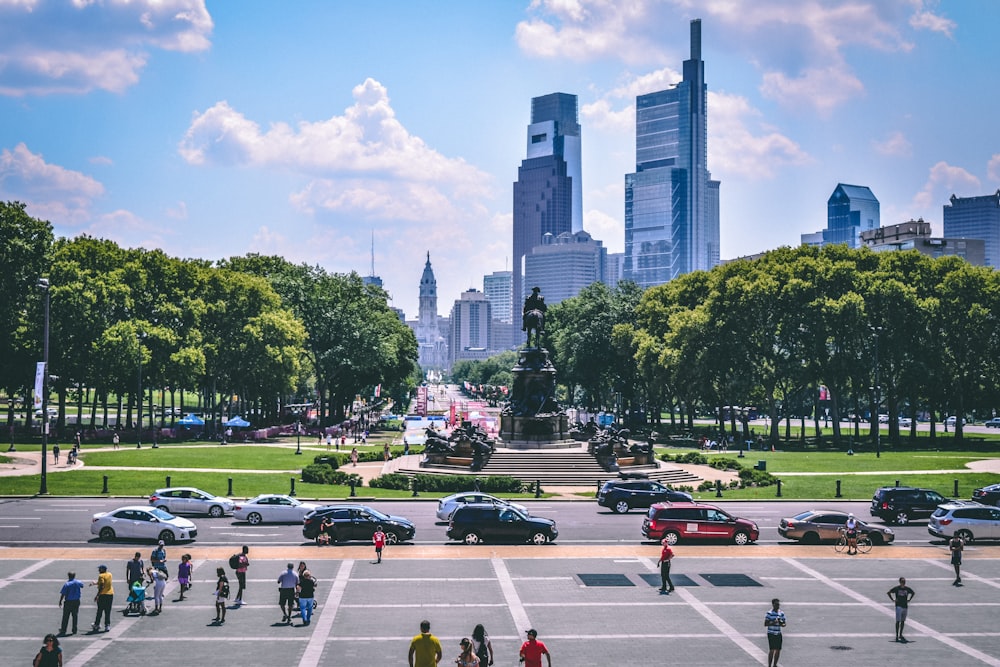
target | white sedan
[
  {"x": 142, "y": 522},
  {"x": 448, "y": 504},
  {"x": 272, "y": 508}
]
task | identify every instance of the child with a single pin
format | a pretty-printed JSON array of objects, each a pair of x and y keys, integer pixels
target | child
[
  {"x": 221, "y": 595},
  {"x": 184, "y": 572},
  {"x": 378, "y": 538}
]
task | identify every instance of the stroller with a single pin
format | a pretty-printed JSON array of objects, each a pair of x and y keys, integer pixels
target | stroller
[{"x": 136, "y": 600}]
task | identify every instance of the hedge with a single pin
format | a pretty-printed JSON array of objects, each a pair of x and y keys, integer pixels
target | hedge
[
  {"x": 322, "y": 473},
  {"x": 449, "y": 483}
]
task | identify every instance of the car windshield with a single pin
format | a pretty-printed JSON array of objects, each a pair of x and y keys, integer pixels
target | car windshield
[
  {"x": 378, "y": 515},
  {"x": 161, "y": 515},
  {"x": 802, "y": 516}
]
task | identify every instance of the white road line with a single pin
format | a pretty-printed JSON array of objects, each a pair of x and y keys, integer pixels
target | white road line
[
  {"x": 6, "y": 581},
  {"x": 965, "y": 575},
  {"x": 885, "y": 610},
  {"x": 514, "y": 605},
  {"x": 324, "y": 621},
  {"x": 421, "y": 605}
]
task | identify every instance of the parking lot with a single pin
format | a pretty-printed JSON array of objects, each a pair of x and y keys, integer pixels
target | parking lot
[{"x": 592, "y": 605}]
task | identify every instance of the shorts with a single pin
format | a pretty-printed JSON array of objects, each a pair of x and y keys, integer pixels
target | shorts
[
  {"x": 900, "y": 614},
  {"x": 956, "y": 557},
  {"x": 774, "y": 641},
  {"x": 286, "y": 595}
]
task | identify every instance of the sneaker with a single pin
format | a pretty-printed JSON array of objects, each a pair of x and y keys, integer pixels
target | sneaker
[
  {"x": 238, "y": 602},
  {"x": 107, "y": 628}
]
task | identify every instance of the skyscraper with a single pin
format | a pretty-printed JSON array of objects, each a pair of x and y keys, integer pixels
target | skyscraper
[
  {"x": 563, "y": 265},
  {"x": 548, "y": 193},
  {"x": 976, "y": 218},
  {"x": 497, "y": 287},
  {"x": 671, "y": 202},
  {"x": 431, "y": 345},
  {"x": 851, "y": 210},
  {"x": 470, "y": 327}
]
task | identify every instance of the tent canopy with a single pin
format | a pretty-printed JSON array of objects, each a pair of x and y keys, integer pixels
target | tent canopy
[
  {"x": 191, "y": 420},
  {"x": 238, "y": 422}
]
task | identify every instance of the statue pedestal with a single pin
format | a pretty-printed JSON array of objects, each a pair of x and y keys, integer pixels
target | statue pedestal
[{"x": 534, "y": 420}]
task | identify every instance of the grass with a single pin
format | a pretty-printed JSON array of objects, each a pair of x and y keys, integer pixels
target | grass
[
  {"x": 792, "y": 461},
  {"x": 240, "y": 457}
]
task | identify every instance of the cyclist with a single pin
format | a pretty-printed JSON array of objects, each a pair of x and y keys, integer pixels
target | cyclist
[{"x": 851, "y": 533}]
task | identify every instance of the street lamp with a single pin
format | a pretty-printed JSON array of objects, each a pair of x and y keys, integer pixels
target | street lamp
[
  {"x": 878, "y": 397},
  {"x": 43, "y": 488},
  {"x": 298, "y": 438},
  {"x": 138, "y": 437}
]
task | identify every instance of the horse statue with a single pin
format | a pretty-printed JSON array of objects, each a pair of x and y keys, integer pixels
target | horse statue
[{"x": 534, "y": 320}]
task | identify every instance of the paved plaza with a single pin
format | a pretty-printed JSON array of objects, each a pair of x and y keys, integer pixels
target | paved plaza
[{"x": 591, "y": 606}]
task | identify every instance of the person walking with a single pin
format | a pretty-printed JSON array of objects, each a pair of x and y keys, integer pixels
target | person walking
[
  {"x": 307, "y": 594},
  {"x": 378, "y": 538},
  {"x": 666, "y": 555},
  {"x": 50, "y": 655},
  {"x": 287, "y": 581},
  {"x": 482, "y": 646},
  {"x": 354, "y": 457},
  {"x": 329, "y": 441},
  {"x": 115, "y": 440},
  {"x": 241, "y": 573},
  {"x": 159, "y": 580},
  {"x": 467, "y": 658},
  {"x": 184, "y": 573},
  {"x": 425, "y": 649},
  {"x": 69, "y": 602},
  {"x": 533, "y": 650},
  {"x": 158, "y": 557},
  {"x": 386, "y": 453},
  {"x": 135, "y": 570},
  {"x": 955, "y": 546},
  {"x": 901, "y": 595},
  {"x": 302, "y": 567},
  {"x": 221, "y": 595},
  {"x": 55, "y": 454},
  {"x": 105, "y": 598},
  {"x": 774, "y": 620}
]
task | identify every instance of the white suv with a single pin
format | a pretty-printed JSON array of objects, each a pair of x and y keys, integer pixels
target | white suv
[{"x": 965, "y": 519}]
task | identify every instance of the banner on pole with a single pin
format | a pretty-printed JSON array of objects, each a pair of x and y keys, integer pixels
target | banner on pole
[{"x": 39, "y": 382}]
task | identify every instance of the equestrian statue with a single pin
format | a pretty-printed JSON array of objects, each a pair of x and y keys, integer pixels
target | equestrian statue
[{"x": 533, "y": 316}]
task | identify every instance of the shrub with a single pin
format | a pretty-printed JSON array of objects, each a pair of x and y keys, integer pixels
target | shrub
[
  {"x": 693, "y": 458},
  {"x": 725, "y": 464},
  {"x": 391, "y": 481},
  {"x": 318, "y": 473},
  {"x": 751, "y": 477},
  {"x": 324, "y": 460}
]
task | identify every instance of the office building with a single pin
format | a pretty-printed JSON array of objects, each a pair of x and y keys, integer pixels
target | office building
[
  {"x": 470, "y": 327},
  {"x": 671, "y": 201},
  {"x": 850, "y": 211},
  {"x": 497, "y": 287},
  {"x": 432, "y": 346},
  {"x": 548, "y": 193},
  {"x": 976, "y": 218},
  {"x": 563, "y": 265},
  {"x": 916, "y": 235},
  {"x": 614, "y": 265}
]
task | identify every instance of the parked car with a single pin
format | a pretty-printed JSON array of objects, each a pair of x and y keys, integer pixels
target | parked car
[
  {"x": 143, "y": 523},
  {"x": 696, "y": 521},
  {"x": 623, "y": 495},
  {"x": 448, "y": 504},
  {"x": 487, "y": 522},
  {"x": 905, "y": 422},
  {"x": 965, "y": 519},
  {"x": 272, "y": 508},
  {"x": 950, "y": 421},
  {"x": 992, "y": 423},
  {"x": 815, "y": 526},
  {"x": 356, "y": 522},
  {"x": 987, "y": 495},
  {"x": 189, "y": 500},
  {"x": 903, "y": 504}
]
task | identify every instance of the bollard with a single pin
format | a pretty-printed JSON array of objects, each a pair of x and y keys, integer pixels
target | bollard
[
  {"x": 538, "y": 488},
  {"x": 779, "y": 488},
  {"x": 599, "y": 485},
  {"x": 168, "y": 481},
  {"x": 955, "y": 494},
  {"x": 353, "y": 494},
  {"x": 105, "y": 489},
  {"x": 230, "y": 491},
  {"x": 718, "y": 488},
  {"x": 897, "y": 483},
  {"x": 292, "y": 492},
  {"x": 415, "y": 494},
  {"x": 838, "y": 490}
]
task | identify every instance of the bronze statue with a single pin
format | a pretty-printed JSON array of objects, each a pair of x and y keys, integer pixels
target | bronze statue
[{"x": 533, "y": 316}]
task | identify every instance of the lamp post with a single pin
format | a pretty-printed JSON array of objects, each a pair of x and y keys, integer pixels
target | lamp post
[
  {"x": 298, "y": 438},
  {"x": 878, "y": 398},
  {"x": 138, "y": 437},
  {"x": 43, "y": 487}
]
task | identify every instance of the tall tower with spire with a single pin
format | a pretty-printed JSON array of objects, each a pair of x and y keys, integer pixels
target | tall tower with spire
[{"x": 432, "y": 345}]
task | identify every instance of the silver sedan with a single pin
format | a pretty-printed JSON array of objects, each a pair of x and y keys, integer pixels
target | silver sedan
[
  {"x": 272, "y": 508},
  {"x": 448, "y": 505}
]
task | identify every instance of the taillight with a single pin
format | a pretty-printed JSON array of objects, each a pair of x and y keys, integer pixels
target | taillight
[
  {"x": 237, "y": 507},
  {"x": 790, "y": 524},
  {"x": 153, "y": 499},
  {"x": 944, "y": 522},
  {"x": 885, "y": 505}
]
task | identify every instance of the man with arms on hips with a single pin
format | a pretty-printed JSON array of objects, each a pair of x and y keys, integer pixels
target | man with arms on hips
[
  {"x": 901, "y": 595},
  {"x": 774, "y": 620},
  {"x": 533, "y": 650},
  {"x": 425, "y": 649},
  {"x": 955, "y": 546}
]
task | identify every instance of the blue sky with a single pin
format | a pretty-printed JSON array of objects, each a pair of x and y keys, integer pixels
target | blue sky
[{"x": 306, "y": 128}]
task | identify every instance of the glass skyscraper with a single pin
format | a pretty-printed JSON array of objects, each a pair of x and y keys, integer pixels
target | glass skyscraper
[
  {"x": 850, "y": 210},
  {"x": 671, "y": 202},
  {"x": 976, "y": 218}
]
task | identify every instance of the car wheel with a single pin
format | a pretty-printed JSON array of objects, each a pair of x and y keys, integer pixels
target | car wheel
[
  {"x": 254, "y": 518},
  {"x": 875, "y": 538},
  {"x": 539, "y": 537},
  {"x": 167, "y": 536},
  {"x": 215, "y": 511},
  {"x": 741, "y": 538},
  {"x": 391, "y": 538},
  {"x": 621, "y": 507},
  {"x": 107, "y": 533},
  {"x": 965, "y": 535},
  {"x": 902, "y": 517},
  {"x": 672, "y": 537},
  {"x": 472, "y": 537},
  {"x": 162, "y": 507},
  {"x": 810, "y": 538}
]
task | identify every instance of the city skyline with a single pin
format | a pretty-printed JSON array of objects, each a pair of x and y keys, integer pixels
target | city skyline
[{"x": 303, "y": 130}]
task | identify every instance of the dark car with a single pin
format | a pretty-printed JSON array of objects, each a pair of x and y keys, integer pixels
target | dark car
[
  {"x": 987, "y": 495},
  {"x": 482, "y": 522},
  {"x": 696, "y": 521},
  {"x": 356, "y": 522},
  {"x": 623, "y": 495},
  {"x": 817, "y": 526},
  {"x": 903, "y": 504},
  {"x": 992, "y": 423}
]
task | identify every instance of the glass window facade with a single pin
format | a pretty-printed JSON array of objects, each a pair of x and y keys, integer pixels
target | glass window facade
[
  {"x": 976, "y": 218},
  {"x": 850, "y": 210}
]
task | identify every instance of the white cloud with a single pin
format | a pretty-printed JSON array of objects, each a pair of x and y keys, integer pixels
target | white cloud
[
  {"x": 993, "y": 168},
  {"x": 925, "y": 20},
  {"x": 101, "y": 160},
  {"x": 822, "y": 89},
  {"x": 895, "y": 145},
  {"x": 943, "y": 181},
  {"x": 605, "y": 228},
  {"x": 741, "y": 145},
  {"x": 178, "y": 212},
  {"x": 54, "y": 193},
  {"x": 52, "y": 46}
]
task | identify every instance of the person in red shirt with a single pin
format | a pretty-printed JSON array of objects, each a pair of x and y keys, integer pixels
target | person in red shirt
[
  {"x": 378, "y": 537},
  {"x": 532, "y": 651},
  {"x": 666, "y": 556}
]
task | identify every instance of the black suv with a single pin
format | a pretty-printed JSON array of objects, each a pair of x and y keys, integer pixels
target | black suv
[
  {"x": 481, "y": 522},
  {"x": 356, "y": 522},
  {"x": 902, "y": 504},
  {"x": 622, "y": 495}
]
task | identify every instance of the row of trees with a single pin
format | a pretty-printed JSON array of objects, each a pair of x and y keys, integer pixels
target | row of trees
[{"x": 254, "y": 327}]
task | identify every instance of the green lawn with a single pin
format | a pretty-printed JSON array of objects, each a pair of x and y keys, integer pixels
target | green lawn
[{"x": 792, "y": 461}]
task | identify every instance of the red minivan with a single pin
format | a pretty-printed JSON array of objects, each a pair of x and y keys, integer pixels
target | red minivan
[{"x": 696, "y": 521}]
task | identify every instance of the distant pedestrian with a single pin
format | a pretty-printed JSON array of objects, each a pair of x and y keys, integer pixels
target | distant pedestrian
[
  {"x": 241, "y": 573},
  {"x": 343, "y": 439},
  {"x": 386, "y": 452},
  {"x": 115, "y": 440},
  {"x": 159, "y": 580},
  {"x": 482, "y": 646},
  {"x": 901, "y": 595},
  {"x": 378, "y": 538},
  {"x": 135, "y": 570},
  {"x": 774, "y": 620},
  {"x": 307, "y": 594},
  {"x": 184, "y": 573},
  {"x": 105, "y": 598},
  {"x": 406, "y": 446},
  {"x": 666, "y": 555},
  {"x": 533, "y": 650},
  {"x": 467, "y": 658},
  {"x": 425, "y": 649},
  {"x": 329, "y": 441},
  {"x": 78, "y": 441},
  {"x": 158, "y": 557},
  {"x": 69, "y": 601},
  {"x": 50, "y": 655},
  {"x": 221, "y": 595},
  {"x": 287, "y": 581},
  {"x": 354, "y": 456},
  {"x": 55, "y": 454},
  {"x": 956, "y": 546}
]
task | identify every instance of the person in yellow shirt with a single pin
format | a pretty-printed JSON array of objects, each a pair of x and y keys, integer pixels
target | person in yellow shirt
[
  {"x": 425, "y": 649},
  {"x": 105, "y": 598}
]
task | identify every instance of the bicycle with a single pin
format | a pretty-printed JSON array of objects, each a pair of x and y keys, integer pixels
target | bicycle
[{"x": 864, "y": 543}]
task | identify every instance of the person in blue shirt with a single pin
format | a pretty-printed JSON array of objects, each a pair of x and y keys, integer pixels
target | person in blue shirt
[
  {"x": 774, "y": 620},
  {"x": 69, "y": 601}
]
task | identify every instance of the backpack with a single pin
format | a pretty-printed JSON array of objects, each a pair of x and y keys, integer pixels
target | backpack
[
  {"x": 225, "y": 589},
  {"x": 234, "y": 561},
  {"x": 482, "y": 652}
]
